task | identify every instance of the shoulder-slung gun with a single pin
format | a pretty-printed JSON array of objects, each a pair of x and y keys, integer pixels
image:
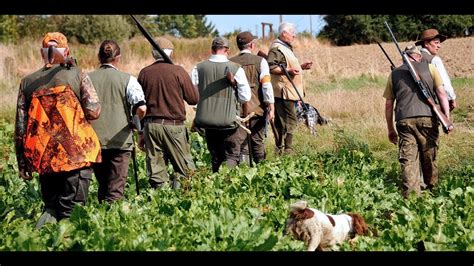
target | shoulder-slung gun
[
  {"x": 446, "y": 124},
  {"x": 392, "y": 65},
  {"x": 151, "y": 41}
]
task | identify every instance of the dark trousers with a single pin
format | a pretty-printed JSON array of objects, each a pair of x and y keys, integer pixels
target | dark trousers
[
  {"x": 257, "y": 139},
  {"x": 224, "y": 146},
  {"x": 112, "y": 174},
  {"x": 62, "y": 191},
  {"x": 285, "y": 123}
]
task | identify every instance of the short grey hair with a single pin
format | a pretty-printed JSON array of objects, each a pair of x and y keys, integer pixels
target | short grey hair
[{"x": 287, "y": 26}]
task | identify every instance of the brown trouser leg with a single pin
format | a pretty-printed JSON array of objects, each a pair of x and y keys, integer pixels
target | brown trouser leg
[
  {"x": 418, "y": 143},
  {"x": 112, "y": 174}
]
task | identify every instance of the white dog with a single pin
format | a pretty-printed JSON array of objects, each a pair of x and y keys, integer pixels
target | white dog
[{"x": 321, "y": 231}]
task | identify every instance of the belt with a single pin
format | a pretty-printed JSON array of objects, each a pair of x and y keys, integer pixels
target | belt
[{"x": 164, "y": 121}]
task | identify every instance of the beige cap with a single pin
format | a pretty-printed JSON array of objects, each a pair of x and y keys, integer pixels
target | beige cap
[
  {"x": 164, "y": 43},
  {"x": 413, "y": 49}
]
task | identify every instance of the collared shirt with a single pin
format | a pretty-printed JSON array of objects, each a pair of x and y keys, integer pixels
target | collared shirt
[
  {"x": 438, "y": 63},
  {"x": 134, "y": 91},
  {"x": 243, "y": 88},
  {"x": 437, "y": 81},
  {"x": 267, "y": 87}
]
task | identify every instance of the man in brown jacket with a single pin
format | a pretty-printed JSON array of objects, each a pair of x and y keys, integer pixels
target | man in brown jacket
[{"x": 165, "y": 136}]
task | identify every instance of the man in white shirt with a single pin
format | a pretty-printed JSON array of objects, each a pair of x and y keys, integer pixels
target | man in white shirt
[
  {"x": 430, "y": 42},
  {"x": 220, "y": 103}
]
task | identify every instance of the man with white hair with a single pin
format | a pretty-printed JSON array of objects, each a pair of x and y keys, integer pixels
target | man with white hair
[
  {"x": 165, "y": 136},
  {"x": 417, "y": 131},
  {"x": 281, "y": 53}
]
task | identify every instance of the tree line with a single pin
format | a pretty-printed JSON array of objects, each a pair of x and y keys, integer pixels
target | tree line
[
  {"x": 365, "y": 29},
  {"x": 88, "y": 29},
  {"x": 339, "y": 29}
]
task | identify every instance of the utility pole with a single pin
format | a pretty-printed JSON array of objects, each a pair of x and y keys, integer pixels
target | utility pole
[
  {"x": 281, "y": 19},
  {"x": 311, "y": 25},
  {"x": 256, "y": 30}
]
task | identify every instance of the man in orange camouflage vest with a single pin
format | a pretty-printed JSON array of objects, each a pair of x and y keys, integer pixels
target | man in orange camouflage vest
[{"x": 53, "y": 136}]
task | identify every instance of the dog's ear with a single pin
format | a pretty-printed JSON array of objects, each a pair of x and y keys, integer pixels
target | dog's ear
[
  {"x": 301, "y": 214},
  {"x": 359, "y": 225}
]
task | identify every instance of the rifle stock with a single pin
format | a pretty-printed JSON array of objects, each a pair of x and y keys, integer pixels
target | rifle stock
[
  {"x": 446, "y": 124},
  {"x": 151, "y": 41}
]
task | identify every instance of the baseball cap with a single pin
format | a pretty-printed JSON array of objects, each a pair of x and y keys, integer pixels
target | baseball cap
[
  {"x": 219, "y": 42},
  {"x": 245, "y": 37},
  {"x": 57, "y": 37}
]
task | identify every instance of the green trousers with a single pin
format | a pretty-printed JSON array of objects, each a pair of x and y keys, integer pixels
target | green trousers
[
  {"x": 418, "y": 144},
  {"x": 167, "y": 144}
]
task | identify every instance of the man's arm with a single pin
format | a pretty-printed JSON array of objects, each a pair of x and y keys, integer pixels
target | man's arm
[
  {"x": 136, "y": 97},
  {"x": 89, "y": 98},
  {"x": 448, "y": 87},
  {"x": 20, "y": 131},
  {"x": 392, "y": 134},
  {"x": 243, "y": 88},
  {"x": 190, "y": 93},
  {"x": 267, "y": 88}
]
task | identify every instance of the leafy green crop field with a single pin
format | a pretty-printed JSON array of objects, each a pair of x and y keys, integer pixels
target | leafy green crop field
[{"x": 244, "y": 209}]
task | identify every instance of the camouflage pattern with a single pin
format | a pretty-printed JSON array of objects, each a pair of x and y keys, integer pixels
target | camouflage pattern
[
  {"x": 58, "y": 136},
  {"x": 418, "y": 143}
]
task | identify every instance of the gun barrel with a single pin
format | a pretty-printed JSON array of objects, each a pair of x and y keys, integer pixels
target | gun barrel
[{"x": 151, "y": 41}]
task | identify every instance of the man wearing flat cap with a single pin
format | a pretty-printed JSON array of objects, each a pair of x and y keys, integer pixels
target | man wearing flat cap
[
  {"x": 430, "y": 42},
  {"x": 53, "y": 135},
  {"x": 220, "y": 101},
  {"x": 165, "y": 137},
  {"x": 417, "y": 131},
  {"x": 262, "y": 101}
]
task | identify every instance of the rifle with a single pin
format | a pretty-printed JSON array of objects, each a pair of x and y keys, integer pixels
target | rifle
[
  {"x": 294, "y": 86},
  {"x": 446, "y": 124},
  {"x": 136, "y": 124},
  {"x": 392, "y": 67},
  {"x": 151, "y": 41}
]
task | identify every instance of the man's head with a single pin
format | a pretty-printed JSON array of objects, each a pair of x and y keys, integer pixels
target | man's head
[
  {"x": 220, "y": 45},
  {"x": 245, "y": 40},
  {"x": 166, "y": 45},
  {"x": 431, "y": 39},
  {"x": 414, "y": 52},
  {"x": 287, "y": 32},
  {"x": 56, "y": 40}
]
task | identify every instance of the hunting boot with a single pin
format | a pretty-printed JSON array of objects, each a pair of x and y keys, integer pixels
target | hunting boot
[
  {"x": 279, "y": 144},
  {"x": 288, "y": 144},
  {"x": 48, "y": 216}
]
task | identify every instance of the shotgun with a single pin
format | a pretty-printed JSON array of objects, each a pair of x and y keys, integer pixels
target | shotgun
[
  {"x": 446, "y": 124},
  {"x": 392, "y": 67},
  {"x": 151, "y": 41}
]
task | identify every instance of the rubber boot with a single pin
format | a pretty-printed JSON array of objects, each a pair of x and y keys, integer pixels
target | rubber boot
[{"x": 48, "y": 216}]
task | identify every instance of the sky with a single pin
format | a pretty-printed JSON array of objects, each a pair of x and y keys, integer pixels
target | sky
[{"x": 228, "y": 23}]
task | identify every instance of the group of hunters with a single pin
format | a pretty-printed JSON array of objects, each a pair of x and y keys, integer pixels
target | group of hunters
[{"x": 70, "y": 124}]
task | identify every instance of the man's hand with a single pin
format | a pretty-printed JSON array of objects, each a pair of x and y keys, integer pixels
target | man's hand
[
  {"x": 307, "y": 65},
  {"x": 270, "y": 112},
  {"x": 25, "y": 175},
  {"x": 452, "y": 104},
  {"x": 393, "y": 136},
  {"x": 292, "y": 71}
]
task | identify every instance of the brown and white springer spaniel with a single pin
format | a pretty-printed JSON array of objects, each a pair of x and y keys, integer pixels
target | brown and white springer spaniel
[{"x": 322, "y": 231}]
